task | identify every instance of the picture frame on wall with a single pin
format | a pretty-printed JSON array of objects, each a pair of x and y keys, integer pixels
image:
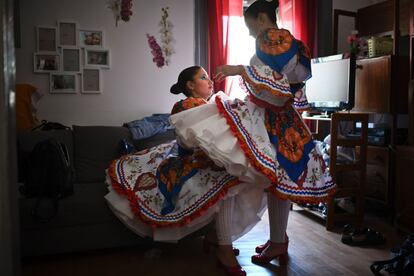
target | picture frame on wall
[
  {"x": 91, "y": 81},
  {"x": 63, "y": 83},
  {"x": 91, "y": 38},
  {"x": 99, "y": 58},
  {"x": 71, "y": 61},
  {"x": 46, "y": 39},
  {"x": 46, "y": 62},
  {"x": 68, "y": 33}
]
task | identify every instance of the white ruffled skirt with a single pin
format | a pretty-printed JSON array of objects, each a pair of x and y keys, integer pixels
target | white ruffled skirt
[{"x": 233, "y": 135}]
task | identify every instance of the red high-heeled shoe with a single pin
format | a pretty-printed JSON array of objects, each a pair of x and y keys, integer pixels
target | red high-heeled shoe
[
  {"x": 208, "y": 245},
  {"x": 260, "y": 259},
  {"x": 236, "y": 270},
  {"x": 260, "y": 248}
]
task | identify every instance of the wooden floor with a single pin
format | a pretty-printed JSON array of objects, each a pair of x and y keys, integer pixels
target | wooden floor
[{"x": 312, "y": 251}]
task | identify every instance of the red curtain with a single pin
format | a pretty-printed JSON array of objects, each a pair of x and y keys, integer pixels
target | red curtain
[
  {"x": 219, "y": 12},
  {"x": 300, "y": 17}
]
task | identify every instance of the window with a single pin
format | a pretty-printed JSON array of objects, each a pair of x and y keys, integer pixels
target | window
[{"x": 241, "y": 49}]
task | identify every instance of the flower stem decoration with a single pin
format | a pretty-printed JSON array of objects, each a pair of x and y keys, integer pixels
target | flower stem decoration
[
  {"x": 162, "y": 53},
  {"x": 166, "y": 35},
  {"x": 156, "y": 51},
  {"x": 121, "y": 9}
]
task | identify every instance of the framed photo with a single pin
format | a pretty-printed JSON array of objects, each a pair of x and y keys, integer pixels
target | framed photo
[
  {"x": 46, "y": 62},
  {"x": 46, "y": 39},
  {"x": 97, "y": 58},
  {"x": 71, "y": 61},
  {"x": 90, "y": 38},
  {"x": 91, "y": 81},
  {"x": 68, "y": 33},
  {"x": 63, "y": 83}
]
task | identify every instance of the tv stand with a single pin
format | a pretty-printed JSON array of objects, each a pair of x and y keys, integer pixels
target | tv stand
[
  {"x": 319, "y": 113},
  {"x": 321, "y": 116}
]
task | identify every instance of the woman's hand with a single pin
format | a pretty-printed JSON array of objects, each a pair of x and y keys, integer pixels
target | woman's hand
[{"x": 224, "y": 71}]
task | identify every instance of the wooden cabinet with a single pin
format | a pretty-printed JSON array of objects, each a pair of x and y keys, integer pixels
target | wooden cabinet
[
  {"x": 411, "y": 114},
  {"x": 373, "y": 85},
  {"x": 367, "y": 26},
  {"x": 386, "y": 85},
  {"x": 376, "y": 87},
  {"x": 368, "y": 23},
  {"x": 404, "y": 155},
  {"x": 411, "y": 81},
  {"x": 404, "y": 196}
]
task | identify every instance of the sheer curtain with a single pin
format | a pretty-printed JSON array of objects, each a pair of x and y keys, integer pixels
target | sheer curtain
[
  {"x": 229, "y": 41},
  {"x": 241, "y": 49}
]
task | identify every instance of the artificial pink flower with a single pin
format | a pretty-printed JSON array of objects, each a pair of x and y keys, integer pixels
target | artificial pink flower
[
  {"x": 156, "y": 51},
  {"x": 351, "y": 38}
]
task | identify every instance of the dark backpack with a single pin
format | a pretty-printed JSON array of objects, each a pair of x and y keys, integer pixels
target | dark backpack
[{"x": 49, "y": 177}]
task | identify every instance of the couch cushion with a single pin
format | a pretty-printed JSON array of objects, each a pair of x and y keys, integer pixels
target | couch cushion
[
  {"x": 86, "y": 206},
  {"x": 95, "y": 147}
]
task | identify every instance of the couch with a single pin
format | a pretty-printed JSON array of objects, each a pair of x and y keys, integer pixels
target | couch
[{"x": 83, "y": 221}]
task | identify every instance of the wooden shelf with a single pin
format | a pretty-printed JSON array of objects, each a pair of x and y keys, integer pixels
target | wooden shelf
[
  {"x": 315, "y": 118},
  {"x": 340, "y": 216},
  {"x": 348, "y": 143},
  {"x": 347, "y": 167},
  {"x": 357, "y": 191},
  {"x": 311, "y": 211},
  {"x": 337, "y": 170}
]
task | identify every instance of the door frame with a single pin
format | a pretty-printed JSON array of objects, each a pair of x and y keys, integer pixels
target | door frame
[{"x": 9, "y": 222}]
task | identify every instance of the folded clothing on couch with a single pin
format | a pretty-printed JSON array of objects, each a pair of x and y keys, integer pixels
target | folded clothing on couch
[{"x": 149, "y": 126}]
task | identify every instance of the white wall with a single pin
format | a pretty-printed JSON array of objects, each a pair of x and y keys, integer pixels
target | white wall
[{"x": 133, "y": 87}]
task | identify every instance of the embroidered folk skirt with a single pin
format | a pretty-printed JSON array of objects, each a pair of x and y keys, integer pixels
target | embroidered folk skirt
[{"x": 143, "y": 199}]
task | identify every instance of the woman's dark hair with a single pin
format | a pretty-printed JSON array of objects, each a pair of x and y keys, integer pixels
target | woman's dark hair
[
  {"x": 186, "y": 75},
  {"x": 262, "y": 6}
]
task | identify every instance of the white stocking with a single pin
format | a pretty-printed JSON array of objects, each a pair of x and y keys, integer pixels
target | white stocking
[
  {"x": 278, "y": 217},
  {"x": 223, "y": 222}
]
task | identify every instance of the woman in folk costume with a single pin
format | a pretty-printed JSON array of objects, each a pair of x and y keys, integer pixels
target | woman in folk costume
[
  {"x": 169, "y": 191},
  {"x": 262, "y": 140}
]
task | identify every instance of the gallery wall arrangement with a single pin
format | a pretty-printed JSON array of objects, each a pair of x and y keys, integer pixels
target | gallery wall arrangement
[{"x": 72, "y": 56}]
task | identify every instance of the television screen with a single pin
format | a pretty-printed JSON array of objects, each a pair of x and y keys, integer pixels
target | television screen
[{"x": 330, "y": 86}]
